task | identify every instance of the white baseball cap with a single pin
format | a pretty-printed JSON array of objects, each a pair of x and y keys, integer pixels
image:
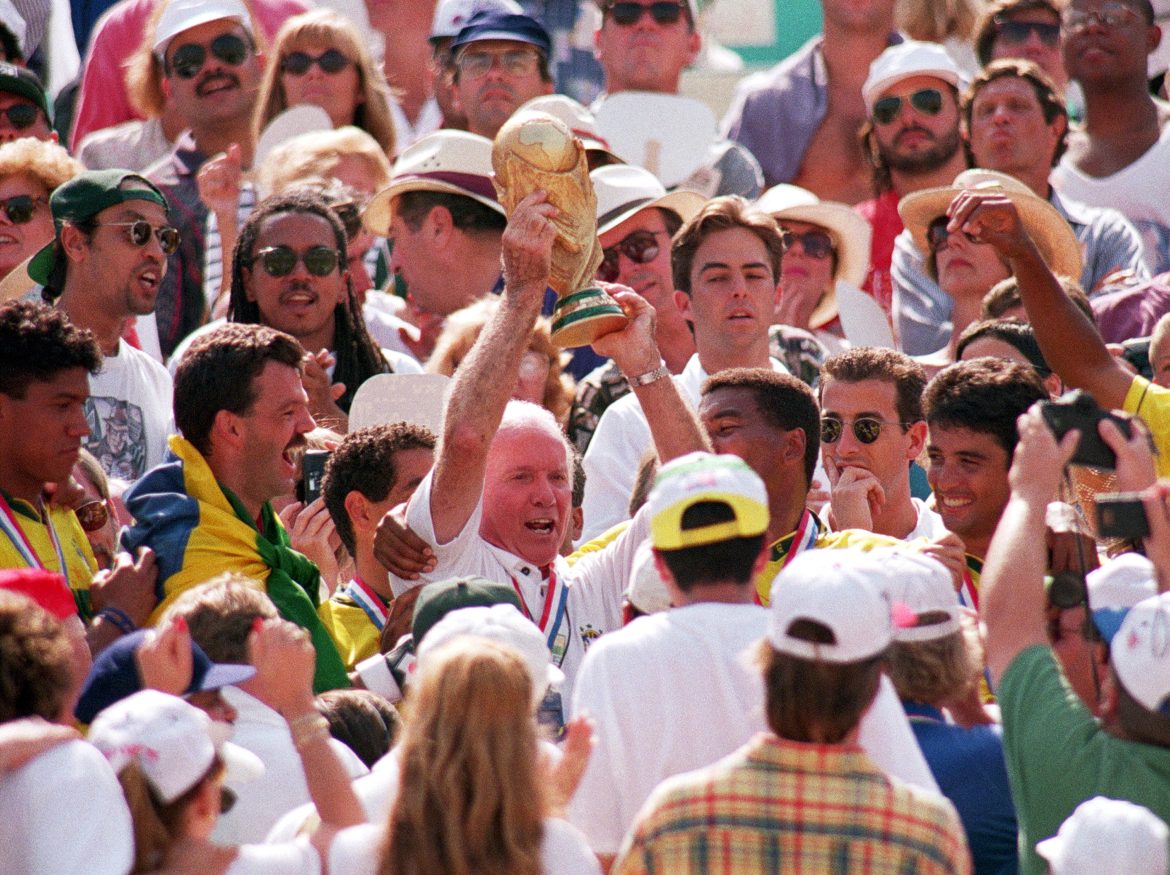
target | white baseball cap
[
  {"x": 1140, "y": 653},
  {"x": 705, "y": 477},
  {"x": 576, "y": 117},
  {"x": 500, "y": 623},
  {"x": 1108, "y": 835},
  {"x": 836, "y": 589},
  {"x": 172, "y": 741},
  {"x": 646, "y": 591},
  {"x": 917, "y": 585},
  {"x": 625, "y": 189},
  {"x": 181, "y": 15},
  {"x": 451, "y": 15},
  {"x": 910, "y": 58},
  {"x": 1116, "y": 587},
  {"x": 455, "y": 162}
]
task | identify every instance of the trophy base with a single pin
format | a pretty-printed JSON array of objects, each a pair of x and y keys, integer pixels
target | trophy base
[{"x": 582, "y": 317}]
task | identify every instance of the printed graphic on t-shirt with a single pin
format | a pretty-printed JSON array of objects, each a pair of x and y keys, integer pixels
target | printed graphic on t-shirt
[{"x": 117, "y": 436}]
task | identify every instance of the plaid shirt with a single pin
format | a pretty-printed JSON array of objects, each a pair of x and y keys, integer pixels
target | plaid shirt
[{"x": 782, "y": 806}]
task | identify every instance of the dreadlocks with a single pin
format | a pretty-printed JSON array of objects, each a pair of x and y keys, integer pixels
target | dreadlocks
[{"x": 358, "y": 357}]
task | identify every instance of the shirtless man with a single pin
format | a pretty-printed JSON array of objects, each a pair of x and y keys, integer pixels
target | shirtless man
[{"x": 771, "y": 112}]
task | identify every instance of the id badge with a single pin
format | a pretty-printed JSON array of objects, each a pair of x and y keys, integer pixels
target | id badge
[{"x": 551, "y": 714}]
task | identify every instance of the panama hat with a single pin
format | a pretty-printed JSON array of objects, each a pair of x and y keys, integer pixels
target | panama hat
[{"x": 625, "y": 189}]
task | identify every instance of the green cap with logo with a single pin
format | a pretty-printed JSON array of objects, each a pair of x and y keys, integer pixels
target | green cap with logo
[
  {"x": 86, "y": 195},
  {"x": 25, "y": 83}
]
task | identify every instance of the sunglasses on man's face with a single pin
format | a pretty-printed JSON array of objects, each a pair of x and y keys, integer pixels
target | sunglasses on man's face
[
  {"x": 189, "y": 59},
  {"x": 1017, "y": 32},
  {"x": 866, "y": 429},
  {"x": 815, "y": 244},
  {"x": 927, "y": 101},
  {"x": 280, "y": 261},
  {"x": 141, "y": 231},
  {"x": 641, "y": 247},
  {"x": 298, "y": 63},
  {"x": 93, "y": 515},
  {"x": 21, "y": 115},
  {"x": 627, "y": 13},
  {"x": 20, "y": 208}
]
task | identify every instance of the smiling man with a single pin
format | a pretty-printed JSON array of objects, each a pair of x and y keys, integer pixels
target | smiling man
[
  {"x": 210, "y": 68},
  {"x": 243, "y": 412},
  {"x": 104, "y": 267}
]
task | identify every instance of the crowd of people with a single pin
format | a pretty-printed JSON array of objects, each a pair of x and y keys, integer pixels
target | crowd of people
[{"x": 844, "y": 551}]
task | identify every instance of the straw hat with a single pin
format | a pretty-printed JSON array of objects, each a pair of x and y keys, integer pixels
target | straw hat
[
  {"x": 1053, "y": 235},
  {"x": 625, "y": 189},
  {"x": 850, "y": 232}
]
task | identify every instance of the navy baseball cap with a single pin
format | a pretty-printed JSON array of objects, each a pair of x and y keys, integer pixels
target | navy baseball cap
[{"x": 489, "y": 24}]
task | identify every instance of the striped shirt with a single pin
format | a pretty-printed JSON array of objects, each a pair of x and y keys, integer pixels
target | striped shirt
[{"x": 783, "y": 806}]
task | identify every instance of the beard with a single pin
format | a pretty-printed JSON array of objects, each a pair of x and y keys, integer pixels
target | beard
[{"x": 940, "y": 153}]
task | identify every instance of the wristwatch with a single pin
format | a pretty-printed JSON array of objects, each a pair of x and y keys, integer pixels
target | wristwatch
[{"x": 649, "y": 377}]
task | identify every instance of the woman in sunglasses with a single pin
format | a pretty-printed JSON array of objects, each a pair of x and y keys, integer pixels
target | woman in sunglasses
[
  {"x": 320, "y": 58},
  {"x": 29, "y": 172}
]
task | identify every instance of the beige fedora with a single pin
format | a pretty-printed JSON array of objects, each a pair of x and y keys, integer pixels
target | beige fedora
[
  {"x": 625, "y": 189},
  {"x": 1054, "y": 236},
  {"x": 454, "y": 162},
  {"x": 850, "y": 232}
]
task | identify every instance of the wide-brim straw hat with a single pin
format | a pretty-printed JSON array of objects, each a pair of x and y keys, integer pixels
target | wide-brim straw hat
[
  {"x": 1053, "y": 236},
  {"x": 625, "y": 189}
]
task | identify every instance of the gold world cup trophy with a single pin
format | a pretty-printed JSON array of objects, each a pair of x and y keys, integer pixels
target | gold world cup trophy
[{"x": 534, "y": 150}]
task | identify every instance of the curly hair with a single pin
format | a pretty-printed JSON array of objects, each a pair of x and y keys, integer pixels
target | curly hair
[
  {"x": 984, "y": 395},
  {"x": 722, "y": 214},
  {"x": 364, "y": 461},
  {"x": 47, "y": 163},
  {"x": 37, "y": 342},
  {"x": 886, "y": 365},
  {"x": 321, "y": 29},
  {"x": 35, "y": 674},
  {"x": 472, "y": 799},
  {"x": 358, "y": 357}
]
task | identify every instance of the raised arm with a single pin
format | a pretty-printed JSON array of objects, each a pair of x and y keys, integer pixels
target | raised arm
[
  {"x": 1069, "y": 341},
  {"x": 483, "y": 384},
  {"x": 1012, "y": 602}
]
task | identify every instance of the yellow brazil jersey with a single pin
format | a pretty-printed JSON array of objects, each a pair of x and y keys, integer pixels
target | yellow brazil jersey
[
  {"x": 354, "y": 623},
  {"x": 1152, "y": 404},
  {"x": 80, "y": 566}
]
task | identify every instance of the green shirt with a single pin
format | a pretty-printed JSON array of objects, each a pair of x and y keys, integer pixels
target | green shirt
[{"x": 1058, "y": 755}]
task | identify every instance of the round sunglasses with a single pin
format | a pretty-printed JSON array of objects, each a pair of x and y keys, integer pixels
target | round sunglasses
[
  {"x": 662, "y": 12},
  {"x": 189, "y": 59},
  {"x": 140, "y": 233},
  {"x": 866, "y": 429},
  {"x": 280, "y": 261},
  {"x": 298, "y": 63},
  {"x": 20, "y": 208},
  {"x": 927, "y": 101},
  {"x": 640, "y": 247},
  {"x": 21, "y": 115},
  {"x": 815, "y": 244}
]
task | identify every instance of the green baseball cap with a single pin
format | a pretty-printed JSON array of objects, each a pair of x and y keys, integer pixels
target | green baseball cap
[
  {"x": 26, "y": 83},
  {"x": 85, "y": 196},
  {"x": 442, "y": 597}
]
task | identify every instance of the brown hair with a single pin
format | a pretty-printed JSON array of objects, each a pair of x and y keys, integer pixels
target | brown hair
[
  {"x": 35, "y": 661},
  {"x": 220, "y": 614},
  {"x": 887, "y": 365},
  {"x": 722, "y": 214},
  {"x": 157, "y": 824},
  {"x": 1016, "y": 68},
  {"x": 931, "y": 672}
]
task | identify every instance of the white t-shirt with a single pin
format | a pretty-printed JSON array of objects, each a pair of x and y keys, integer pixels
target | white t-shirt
[
  {"x": 563, "y": 850},
  {"x": 929, "y": 525},
  {"x": 595, "y": 583},
  {"x": 129, "y": 413},
  {"x": 293, "y": 858},
  {"x": 64, "y": 813},
  {"x": 676, "y": 691}
]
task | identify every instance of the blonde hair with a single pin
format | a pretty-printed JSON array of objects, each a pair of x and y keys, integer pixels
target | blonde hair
[
  {"x": 933, "y": 672},
  {"x": 157, "y": 825},
  {"x": 472, "y": 799},
  {"x": 317, "y": 154},
  {"x": 462, "y": 329},
  {"x": 325, "y": 28},
  {"x": 45, "y": 162},
  {"x": 938, "y": 20}
]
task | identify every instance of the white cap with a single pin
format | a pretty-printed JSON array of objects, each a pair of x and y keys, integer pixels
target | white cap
[
  {"x": 835, "y": 589},
  {"x": 455, "y": 162},
  {"x": 625, "y": 189},
  {"x": 172, "y": 741},
  {"x": 1108, "y": 835},
  {"x": 1140, "y": 653},
  {"x": 181, "y": 15},
  {"x": 504, "y": 625},
  {"x": 647, "y": 592},
  {"x": 1116, "y": 587},
  {"x": 451, "y": 15},
  {"x": 910, "y": 58},
  {"x": 916, "y": 585}
]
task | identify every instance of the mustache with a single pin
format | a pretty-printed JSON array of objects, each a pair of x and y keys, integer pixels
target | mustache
[
  {"x": 914, "y": 129},
  {"x": 214, "y": 79}
]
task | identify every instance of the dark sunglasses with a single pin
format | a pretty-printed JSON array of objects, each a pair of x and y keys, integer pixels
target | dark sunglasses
[
  {"x": 20, "y": 208},
  {"x": 816, "y": 244},
  {"x": 93, "y": 515},
  {"x": 641, "y": 247},
  {"x": 351, "y": 217},
  {"x": 189, "y": 59},
  {"x": 141, "y": 231},
  {"x": 298, "y": 63},
  {"x": 1017, "y": 32},
  {"x": 927, "y": 101},
  {"x": 626, "y": 14},
  {"x": 21, "y": 115},
  {"x": 282, "y": 260},
  {"x": 866, "y": 429},
  {"x": 937, "y": 235}
]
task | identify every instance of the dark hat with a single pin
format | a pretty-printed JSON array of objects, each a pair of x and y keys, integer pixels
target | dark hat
[
  {"x": 495, "y": 24},
  {"x": 87, "y": 195},
  {"x": 114, "y": 675},
  {"x": 442, "y": 597},
  {"x": 26, "y": 83}
]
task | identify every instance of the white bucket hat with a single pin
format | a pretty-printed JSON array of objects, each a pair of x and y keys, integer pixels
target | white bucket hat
[{"x": 625, "y": 189}]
